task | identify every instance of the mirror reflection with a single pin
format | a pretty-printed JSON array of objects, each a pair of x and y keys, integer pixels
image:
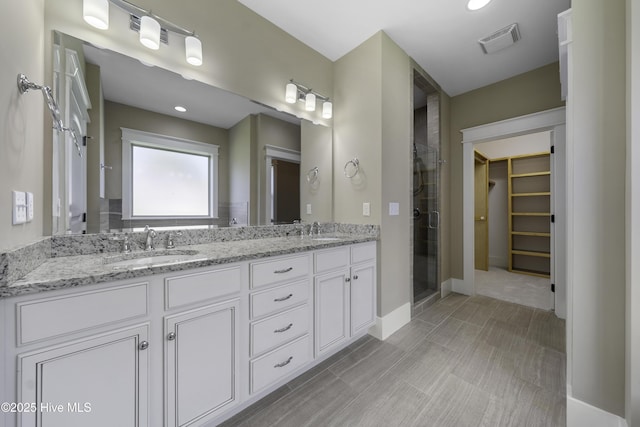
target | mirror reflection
[{"x": 163, "y": 150}]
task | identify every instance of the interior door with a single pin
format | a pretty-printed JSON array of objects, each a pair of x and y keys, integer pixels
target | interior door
[
  {"x": 286, "y": 191},
  {"x": 481, "y": 205}
]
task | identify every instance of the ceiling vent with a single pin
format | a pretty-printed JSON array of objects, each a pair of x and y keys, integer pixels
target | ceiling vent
[{"x": 501, "y": 39}]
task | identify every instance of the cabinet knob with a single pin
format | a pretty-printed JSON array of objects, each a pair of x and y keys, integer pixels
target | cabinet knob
[
  {"x": 143, "y": 345},
  {"x": 355, "y": 277},
  {"x": 347, "y": 279},
  {"x": 171, "y": 336}
]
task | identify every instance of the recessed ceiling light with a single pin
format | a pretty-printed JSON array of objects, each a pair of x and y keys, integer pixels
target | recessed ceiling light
[
  {"x": 180, "y": 108},
  {"x": 477, "y": 4}
]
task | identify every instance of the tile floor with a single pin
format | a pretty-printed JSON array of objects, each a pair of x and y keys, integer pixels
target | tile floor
[
  {"x": 463, "y": 361},
  {"x": 521, "y": 289}
]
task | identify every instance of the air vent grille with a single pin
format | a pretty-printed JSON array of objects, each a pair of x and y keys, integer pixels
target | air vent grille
[{"x": 501, "y": 39}]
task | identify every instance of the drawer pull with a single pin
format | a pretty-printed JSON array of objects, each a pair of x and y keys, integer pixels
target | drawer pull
[
  {"x": 284, "y": 270},
  {"x": 283, "y": 298},
  {"x": 286, "y": 328},
  {"x": 283, "y": 364}
]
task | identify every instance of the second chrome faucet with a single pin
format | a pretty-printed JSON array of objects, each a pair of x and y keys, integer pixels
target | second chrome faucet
[{"x": 151, "y": 234}]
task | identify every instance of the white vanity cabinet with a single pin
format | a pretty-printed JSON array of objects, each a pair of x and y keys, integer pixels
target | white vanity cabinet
[
  {"x": 280, "y": 319},
  {"x": 344, "y": 293},
  {"x": 83, "y": 358},
  {"x": 202, "y": 344}
]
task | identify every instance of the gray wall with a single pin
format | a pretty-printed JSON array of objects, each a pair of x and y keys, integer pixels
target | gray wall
[
  {"x": 22, "y": 118},
  {"x": 317, "y": 152},
  {"x": 596, "y": 147},
  {"x": 95, "y": 129},
  {"x": 243, "y": 179}
]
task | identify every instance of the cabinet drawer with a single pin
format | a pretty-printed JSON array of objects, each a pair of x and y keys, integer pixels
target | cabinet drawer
[
  {"x": 273, "y": 331},
  {"x": 331, "y": 259},
  {"x": 273, "y": 366},
  {"x": 277, "y": 299},
  {"x": 202, "y": 286},
  {"x": 363, "y": 252},
  {"x": 51, "y": 317},
  {"x": 279, "y": 270}
]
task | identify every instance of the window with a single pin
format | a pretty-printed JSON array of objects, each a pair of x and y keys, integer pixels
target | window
[{"x": 167, "y": 177}]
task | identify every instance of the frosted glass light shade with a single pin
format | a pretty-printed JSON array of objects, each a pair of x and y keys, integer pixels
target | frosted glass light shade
[
  {"x": 150, "y": 32},
  {"x": 327, "y": 110},
  {"x": 96, "y": 13},
  {"x": 477, "y": 4},
  {"x": 291, "y": 93},
  {"x": 193, "y": 49},
  {"x": 310, "y": 102}
]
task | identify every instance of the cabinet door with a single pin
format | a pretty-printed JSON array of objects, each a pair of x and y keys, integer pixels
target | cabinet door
[
  {"x": 331, "y": 310},
  {"x": 98, "y": 382},
  {"x": 201, "y": 363},
  {"x": 363, "y": 297}
]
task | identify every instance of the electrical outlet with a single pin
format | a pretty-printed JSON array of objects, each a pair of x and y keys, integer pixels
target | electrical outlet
[
  {"x": 308, "y": 208},
  {"x": 19, "y": 211},
  {"x": 366, "y": 209},
  {"x": 29, "y": 206}
]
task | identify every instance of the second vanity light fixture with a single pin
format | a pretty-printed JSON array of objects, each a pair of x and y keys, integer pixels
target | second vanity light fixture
[
  {"x": 297, "y": 92},
  {"x": 153, "y": 29}
]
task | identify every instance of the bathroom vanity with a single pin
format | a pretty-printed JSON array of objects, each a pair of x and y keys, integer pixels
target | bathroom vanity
[{"x": 108, "y": 342}]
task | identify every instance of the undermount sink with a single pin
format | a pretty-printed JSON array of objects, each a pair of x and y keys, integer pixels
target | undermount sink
[
  {"x": 151, "y": 259},
  {"x": 325, "y": 239}
]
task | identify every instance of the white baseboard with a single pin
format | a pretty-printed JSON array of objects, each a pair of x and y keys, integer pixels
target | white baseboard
[
  {"x": 581, "y": 414},
  {"x": 462, "y": 287},
  {"x": 387, "y": 325},
  {"x": 446, "y": 288}
]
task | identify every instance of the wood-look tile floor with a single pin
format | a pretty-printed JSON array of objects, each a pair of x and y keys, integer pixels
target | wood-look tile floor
[{"x": 464, "y": 361}]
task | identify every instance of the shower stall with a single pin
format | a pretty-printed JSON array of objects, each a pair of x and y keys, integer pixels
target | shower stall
[{"x": 426, "y": 191}]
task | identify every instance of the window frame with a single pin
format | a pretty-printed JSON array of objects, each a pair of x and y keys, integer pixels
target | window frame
[{"x": 132, "y": 138}]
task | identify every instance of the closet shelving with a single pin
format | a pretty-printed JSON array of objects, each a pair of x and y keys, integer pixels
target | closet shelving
[{"x": 529, "y": 188}]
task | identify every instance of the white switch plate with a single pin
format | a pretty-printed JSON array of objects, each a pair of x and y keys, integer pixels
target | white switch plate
[
  {"x": 366, "y": 209},
  {"x": 308, "y": 208},
  {"x": 19, "y": 211},
  {"x": 394, "y": 208},
  {"x": 29, "y": 206}
]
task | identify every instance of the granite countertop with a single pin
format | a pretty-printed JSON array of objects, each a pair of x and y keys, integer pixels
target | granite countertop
[{"x": 81, "y": 270}]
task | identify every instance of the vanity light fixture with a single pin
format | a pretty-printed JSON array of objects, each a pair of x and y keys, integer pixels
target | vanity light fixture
[
  {"x": 96, "y": 13},
  {"x": 152, "y": 28},
  {"x": 150, "y": 32},
  {"x": 297, "y": 92},
  {"x": 477, "y": 4}
]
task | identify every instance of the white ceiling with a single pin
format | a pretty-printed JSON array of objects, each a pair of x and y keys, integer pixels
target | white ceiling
[
  {"x": 127, "y": 81},
  {"x": 440, "y": 35}
]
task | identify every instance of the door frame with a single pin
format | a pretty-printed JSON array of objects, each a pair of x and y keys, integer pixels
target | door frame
[
  {"x": 273, "y": 152},
  {"x": 549, "y": 120}
]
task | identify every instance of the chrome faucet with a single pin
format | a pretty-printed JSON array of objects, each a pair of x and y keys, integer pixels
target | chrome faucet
[
  {"x": 171, "y": 239},
  {"x": 316, "y": 226},
  {"x": 151, "y": 234}
]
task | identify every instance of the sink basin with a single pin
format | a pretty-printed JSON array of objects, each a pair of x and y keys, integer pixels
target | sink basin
[
  {"x": 325, "y": 239},
  {"x": 151, "y": 259}
]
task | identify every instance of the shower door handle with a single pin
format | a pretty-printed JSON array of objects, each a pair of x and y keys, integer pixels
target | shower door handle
[{"x": 433, "y": 214}]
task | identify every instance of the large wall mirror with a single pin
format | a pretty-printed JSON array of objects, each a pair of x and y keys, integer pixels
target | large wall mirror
[{"x": 152, "y": 147}]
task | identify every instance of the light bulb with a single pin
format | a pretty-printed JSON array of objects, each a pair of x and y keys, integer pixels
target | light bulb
[
  {"x": 291, "y": 93},
  {"x": 193, "y": 48},
  {"x": 327, "y": 110},
  {"x": 150, "y": 32},
  {"x": 96, "y": 13},
  {"x": 310, "y": 102}
]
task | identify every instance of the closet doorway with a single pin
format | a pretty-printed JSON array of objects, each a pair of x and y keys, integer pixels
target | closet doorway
[{"x": 517, "y": 219}]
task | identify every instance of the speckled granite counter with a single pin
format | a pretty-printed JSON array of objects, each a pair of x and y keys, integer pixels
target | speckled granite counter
[{"x": 81, "y": 270}]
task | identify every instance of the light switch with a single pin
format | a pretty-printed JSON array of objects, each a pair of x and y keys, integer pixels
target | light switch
[
  {"x": 308, "y": 208},
  {"x": 19, "y": 211},
  {"x": 366, "y": 209},
  {"x": 394, "y": 208},
  {"x": 29, "y": 206}
]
